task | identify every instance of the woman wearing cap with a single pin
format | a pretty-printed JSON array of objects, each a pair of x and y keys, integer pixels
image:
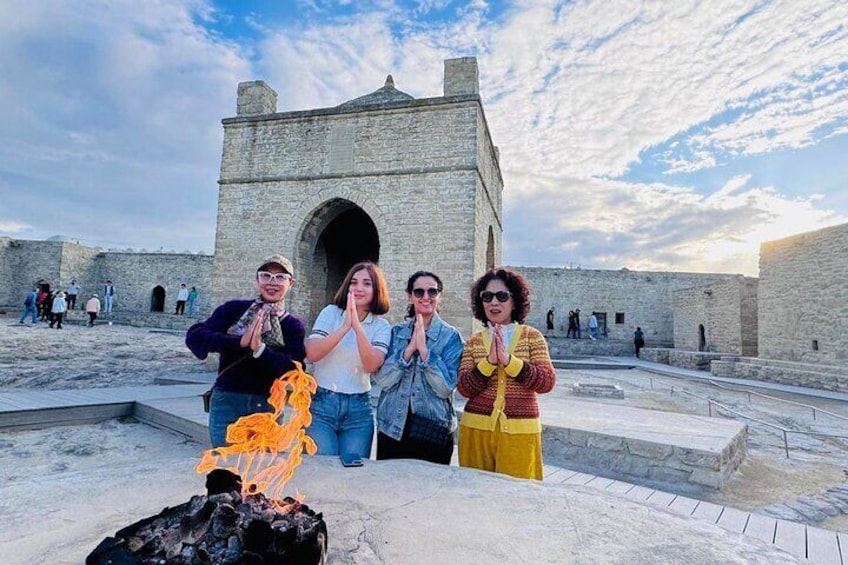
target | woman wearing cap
[
  {"x": 257, "y": 339},
  {"x": 503, "y": 367},
  {"x": 347, "y": 345},
  {"x": 415, "y": 415},
  {"x": 92, "y": 308}
]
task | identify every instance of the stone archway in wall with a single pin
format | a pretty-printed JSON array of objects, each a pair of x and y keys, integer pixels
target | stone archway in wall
[
  {"x": 338, "y": 234},
  {"x": 157, "y": 299}
]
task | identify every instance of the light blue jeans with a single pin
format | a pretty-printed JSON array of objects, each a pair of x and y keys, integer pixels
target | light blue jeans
[
  {"x": 342, "y": 423},
  {"x": 227, "y": 407},
  {"x": 29, "y": 310}
]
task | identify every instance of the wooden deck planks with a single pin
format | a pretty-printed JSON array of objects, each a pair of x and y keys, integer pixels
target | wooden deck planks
[
  {"x": 823, "y": 547},
  {"x": 733, "y": 520},
  {"x": 661, "y": 498},
  {"x": 707, "y": 511},
  {"x": 761, "y": 527},
  {"x": 791, "y": 537},
  {"x": 620, "y": 487},
  {"x": 684, "y": 505}
]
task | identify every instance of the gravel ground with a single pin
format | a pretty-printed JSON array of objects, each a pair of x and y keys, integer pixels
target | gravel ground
[{"x": 804, "y": 487}]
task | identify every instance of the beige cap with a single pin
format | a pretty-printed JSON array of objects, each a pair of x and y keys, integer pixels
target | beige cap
[{"x": 278, "y": 260}]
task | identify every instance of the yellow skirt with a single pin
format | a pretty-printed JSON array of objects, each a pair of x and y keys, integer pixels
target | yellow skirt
[{"x": 516, "y": 455}]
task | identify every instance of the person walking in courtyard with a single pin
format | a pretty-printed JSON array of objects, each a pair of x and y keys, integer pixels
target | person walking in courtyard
[
  {"x": 415, "y": 414},
  {"x": 577, "y": 323},
  {"x": 638, "y": 340},
  {"x": 593, "y": 327},
  {"x": 348, "y": 344},
  {"x": 192, "y": 302},
  {"x": 30, "y": 307},
  {"x": 92, "y": 308},
  {"x": 257, "y": 339},
  {"x": 182, "y": 298},
  {"x": 41, "y": 304},
  {"x": 58, "y": 309},
  {"x": 48, "y": 307},
  {"x": 570, "y": 332},
  {"x": 549, "y": 320},
  {"x": 503, "y": 368},
  {"x": 72, "y": 291},
  {"x": 108, "y": 297}
]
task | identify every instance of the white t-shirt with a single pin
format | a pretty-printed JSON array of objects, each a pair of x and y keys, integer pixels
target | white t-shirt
[{"x": 341, "y": 369}]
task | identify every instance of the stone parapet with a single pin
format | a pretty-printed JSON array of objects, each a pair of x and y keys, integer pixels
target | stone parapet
[
  {"x": 655, "y": 354},
  {"x": 563, "y": 347},
  {"x": 795, "y": 374},
  {"x": 638, "y": 445}
]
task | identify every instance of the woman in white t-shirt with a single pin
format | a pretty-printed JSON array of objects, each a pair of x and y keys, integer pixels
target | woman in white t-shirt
[{"x": 348, "y": 343}]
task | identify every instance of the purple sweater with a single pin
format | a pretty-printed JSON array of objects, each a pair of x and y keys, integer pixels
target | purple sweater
[{"x": 249, "y": 375}]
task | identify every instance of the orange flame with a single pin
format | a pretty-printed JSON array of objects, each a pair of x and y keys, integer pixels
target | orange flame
[{"x": 256, "y": 439}]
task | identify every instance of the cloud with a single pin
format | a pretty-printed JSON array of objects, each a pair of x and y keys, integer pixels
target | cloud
[{"x": 12, "y": 226}]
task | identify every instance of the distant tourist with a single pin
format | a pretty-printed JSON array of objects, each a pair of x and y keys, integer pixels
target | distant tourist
[
  {"x": 415, "y": 414},
  {"x": 577, "y": 323},
  {"x": 108, "y": 297},
  {"x": 638, "y": 340},
  {"x": 347, "y": 345},
  {"x": 41, "y": 303},
  {"x": 503, "y": 368},
  {"x": 182, "y": 298},
  {"x": 549, "y": 320},
  {"x": 257, "y": 339},
  {"x": 58, "y": 308},
  {"x": 72, "y": 290},
  {"x": 48, "y": 306},
  {"x": 30, "y": 307},
  {"x": 572, "y": 327},
  {"x": 192, "y": 302},
  {"x": 92, "y": 308},
  {"x": 593, "y": 327}
]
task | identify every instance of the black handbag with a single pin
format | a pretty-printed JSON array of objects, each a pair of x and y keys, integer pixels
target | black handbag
[{"x": 425, "y": 430}]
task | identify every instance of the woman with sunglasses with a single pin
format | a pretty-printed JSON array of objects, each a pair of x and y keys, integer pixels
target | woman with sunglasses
[
  {"x": 258, "y": 340},
  {"x": 347, "y": 345},
  {"x": 503, "y": 367},
  {"x": 415, "y": 415}
]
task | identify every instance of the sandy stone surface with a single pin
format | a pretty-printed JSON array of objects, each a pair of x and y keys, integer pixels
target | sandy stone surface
[{"x": 63, "y": 490}]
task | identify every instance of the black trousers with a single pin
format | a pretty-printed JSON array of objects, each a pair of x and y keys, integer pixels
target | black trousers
[
  {"x": 180, "y": 307},
  {"x": 57, "y": 319},
  {"x": 91, "y": 317},
  {"x": 72, "y": 301},
  {"x": 406, "y": 448}
]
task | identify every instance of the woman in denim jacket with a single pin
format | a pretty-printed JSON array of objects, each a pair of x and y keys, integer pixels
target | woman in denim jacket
[{"x": 415, "y": 414}]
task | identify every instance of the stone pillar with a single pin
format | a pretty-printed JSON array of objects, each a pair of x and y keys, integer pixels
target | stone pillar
[
  {"x": 461, "y": 76},
  {"x": 256, "y": 97}
]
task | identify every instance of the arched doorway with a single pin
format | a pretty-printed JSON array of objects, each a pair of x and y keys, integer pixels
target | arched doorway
[
  {"x": 702, "y": 338},
  {"x": 490, "y": 250},
  {"x": 157, "y": 299},
  {"x": 339, "y": 235}
]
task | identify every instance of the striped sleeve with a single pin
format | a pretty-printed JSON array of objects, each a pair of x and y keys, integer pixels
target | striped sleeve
[{"x": 538, "y": 374}]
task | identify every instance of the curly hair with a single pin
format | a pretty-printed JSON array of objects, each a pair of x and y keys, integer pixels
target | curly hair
[{"x": 517, "y": 285}]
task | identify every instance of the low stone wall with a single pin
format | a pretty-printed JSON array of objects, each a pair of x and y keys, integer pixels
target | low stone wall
[
  {"x": 564, "y": 347},
  {"x": 822, "y": 377},
  {"x": 655, "y": 354},
  {"x": 680, "y": 452},
  {"x": 694, "y": 360}
]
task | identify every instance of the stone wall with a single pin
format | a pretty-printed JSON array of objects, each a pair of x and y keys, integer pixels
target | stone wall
[
  {"x": 802, "y": 295},
  {"x": 26, "y": 262},
  {"x": 643, "y": 297},
  {"x": 421, "y": 173},
  {"x": 727, "y": 311},
  {"x": 135, "y": 275}
]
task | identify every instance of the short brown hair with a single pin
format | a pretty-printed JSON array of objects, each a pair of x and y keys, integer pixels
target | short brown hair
[
  {"x": 518, "y": 288},
  {"x": 380, "y": 303}
]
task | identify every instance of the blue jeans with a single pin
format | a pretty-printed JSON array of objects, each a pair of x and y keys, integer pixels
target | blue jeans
[
  {"x": 29, "y": 310},
  {"x": 227, "y": 407},
  {"x": 342, "y": 423}
]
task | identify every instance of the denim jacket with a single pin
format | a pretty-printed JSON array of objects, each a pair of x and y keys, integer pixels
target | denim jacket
[{"x": 424, "y": 386}]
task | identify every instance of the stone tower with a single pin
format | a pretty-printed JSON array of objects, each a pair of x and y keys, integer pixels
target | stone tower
[{"x": 409, "y": 183}]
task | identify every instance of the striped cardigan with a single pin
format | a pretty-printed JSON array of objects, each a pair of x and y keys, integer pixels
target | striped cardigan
[{"x": 505, "y": 396}]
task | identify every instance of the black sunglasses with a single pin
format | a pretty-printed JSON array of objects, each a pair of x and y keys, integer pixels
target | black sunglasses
[
  {"x": 501, "y": 295},
  {"x": 431, "y": 292}
]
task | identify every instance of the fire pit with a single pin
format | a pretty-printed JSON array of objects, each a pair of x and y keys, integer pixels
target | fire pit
[
  {"x": 244, "y": 522},
  {"x": 222, "y": 526}
]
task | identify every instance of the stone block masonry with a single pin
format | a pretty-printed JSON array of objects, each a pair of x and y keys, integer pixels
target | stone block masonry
[{"x": 803, "y": 293}]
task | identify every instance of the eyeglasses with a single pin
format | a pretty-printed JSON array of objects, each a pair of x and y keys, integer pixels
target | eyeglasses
[
  {"x": 501, "y": 295},
  {"x": 431, "y": 292},
  {"x": 264, "y": 277}
]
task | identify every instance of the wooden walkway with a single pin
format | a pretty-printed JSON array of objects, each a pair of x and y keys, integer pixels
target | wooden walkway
[{"x": 178, "y": 407}]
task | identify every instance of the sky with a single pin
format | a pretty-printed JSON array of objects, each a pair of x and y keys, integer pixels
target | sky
[{"x": 642, "y": 135}]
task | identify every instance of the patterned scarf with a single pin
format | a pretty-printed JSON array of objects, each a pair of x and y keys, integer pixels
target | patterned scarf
[{"x": 272, "y": 333}]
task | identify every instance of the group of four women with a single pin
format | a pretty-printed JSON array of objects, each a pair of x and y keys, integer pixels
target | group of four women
[{"x": 417, "y": 364}]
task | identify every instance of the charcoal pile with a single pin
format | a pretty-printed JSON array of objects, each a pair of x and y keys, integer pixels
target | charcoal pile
[{"x": 225, "y": 528}]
